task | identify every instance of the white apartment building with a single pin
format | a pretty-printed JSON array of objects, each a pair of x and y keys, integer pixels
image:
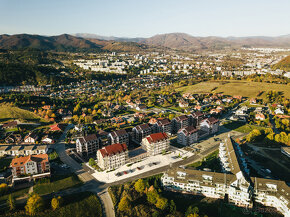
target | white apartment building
[
  {"x": 156, "y": 143},
  {"x": 119, "y": 136},
  {"x": 112, "y": 156},
  {"x": 240, "y": 189}
]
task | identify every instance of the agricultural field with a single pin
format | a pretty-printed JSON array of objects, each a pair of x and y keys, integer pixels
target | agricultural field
[
  {"x": 9, "y": 112},
  {"x": 243, "y": 88}
]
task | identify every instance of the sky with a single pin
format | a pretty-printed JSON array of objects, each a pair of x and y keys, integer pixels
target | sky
[{"x": 145, "y": 18}]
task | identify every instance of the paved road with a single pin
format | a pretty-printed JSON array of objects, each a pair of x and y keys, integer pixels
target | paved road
[{"x": 93, "y": 185}]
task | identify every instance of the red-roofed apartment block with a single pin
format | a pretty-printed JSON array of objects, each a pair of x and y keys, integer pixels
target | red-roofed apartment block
[
  {"x": 112, "y": 156},
  {"x": 156, "y": 143}
]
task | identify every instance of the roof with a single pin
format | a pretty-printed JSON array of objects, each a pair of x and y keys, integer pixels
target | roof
[
  {"x": 181, "y": 118},
  {"x": 113, "y": 149},
  {"x": 23, "y": 160},
  {"x": 188, "y": 130},
  {"x": 56, "y": 127},
  {"x": 156, "y": 137},
  {"x": 3, "y": 147},
  {"x": 163, "y": 122},
  {"x": 119, "y": 133},
  {"x": 197, "y": 114},
  {"x": 90, "y": 137},
  {"x": 10, "y": 124},
  {"x": 15, "y": 148},
  {"x": 142, "y": 127},
  {"x": 28, "y": 147},
  {"x": 212, "y": 120}
]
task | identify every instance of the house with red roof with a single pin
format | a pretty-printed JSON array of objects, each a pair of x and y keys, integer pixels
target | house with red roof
[
  {"x": 57, "y": 127},
  {"x": 112, "y": 156},
  {"x": 30, "y": 165},
  {"x": 156, "y": 143}
]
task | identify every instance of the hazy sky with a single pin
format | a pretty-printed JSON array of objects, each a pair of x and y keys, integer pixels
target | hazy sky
[{"x": 144, "y": 18}]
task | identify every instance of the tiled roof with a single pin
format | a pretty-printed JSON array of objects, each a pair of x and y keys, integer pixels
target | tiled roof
[
  {"x": 163, "y": 122},
  {"x": 90, "y": 137},
  {"x": 181, "y": 118},
  {"x": 156, "y": 137},
  {"x": 113, "y": 149},
  {"x": 142, "y": 127},
  {"x": 23, "y": 160},
  {"x": 188, "y": 130},
  {"x": 119, "y": 133},
  {"x": 212, "y": 120}
]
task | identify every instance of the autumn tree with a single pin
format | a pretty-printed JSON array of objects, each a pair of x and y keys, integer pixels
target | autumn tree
[
  {"x": 3, "y": 188},
  {"x": 11, "y": 202},
  {"x": 125, "y": 204},
  {"x": 161, "y": 203},
  {"x": 34, "y": 204},
  {"x": 56, "y": 202},
  {"x": 140, "y": 186}
]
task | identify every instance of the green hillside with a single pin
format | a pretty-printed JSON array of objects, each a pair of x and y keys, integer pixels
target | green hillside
[{"x": 8, "y": 112}]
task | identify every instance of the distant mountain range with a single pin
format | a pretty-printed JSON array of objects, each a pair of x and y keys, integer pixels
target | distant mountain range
[
  {"x": 186, "y": 42},
  {"x": 176, "y": 41}
]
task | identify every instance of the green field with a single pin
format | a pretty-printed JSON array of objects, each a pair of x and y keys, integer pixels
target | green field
[
  {"x": 243, "y": 88},
  {"x": 8, "y": 112},
  {"x": 58, "y": 184},
  {"x": 241, "y": 127}
]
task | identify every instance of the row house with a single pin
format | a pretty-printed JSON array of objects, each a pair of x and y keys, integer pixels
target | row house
[
  {"x": 119, "y": 136},
  {"x": 187, "y": 136},
  {"x": 179, "y": 123},
  {"x": 112, "y": 156},
  {"x": 87, "y": 145},
  {"x": 30, "y": 165},
  {"x": 156, "y": 143},
  {"x": 141, "y": 131}
]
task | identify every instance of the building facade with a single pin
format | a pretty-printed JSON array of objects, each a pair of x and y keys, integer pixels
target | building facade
[
  {"x": 119, "y": 136},
  {"x": 141, "y": 131},
  {"x": 187, "y": 136},
  {"x": 112, "y": 156},
  {"x": 156, "y": 143},
  {"x": 30, "y": 165},
  {"x": 87, "y": 145}
]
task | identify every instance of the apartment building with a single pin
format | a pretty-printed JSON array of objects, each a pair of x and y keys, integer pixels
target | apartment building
[
  {"x": 119, "y": 136},
  {"x": 179, "y": 123},
  {"x": 209, "y": 126},
  {"x": 141, "y": 131},
  {"x": 163, "y": 126},
  {"x": 112, "y": 156},
  {"x": 195, "y": 118},
  {"x": 187, "y": 136},
  {"x": 235, "y": 184},
  {"x": 156, "y": 143},
  {"x": 30, "y": 165},
  {"x": 87, "y": 145}
]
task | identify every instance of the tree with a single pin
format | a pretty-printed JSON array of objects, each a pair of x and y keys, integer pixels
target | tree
[
  {"x": 192, "y": 212},
  {"x": 161, "y": 203},
  {"x": 152, "y": 196},
  {"x": 11, "y": 202},
  {"x": 92, "y": 162},
  {"x": 3, "y": 188},
  {"x": 124, "y": 204},
  {"x": 56, "y": 202},
  {"x": 171, "y": 116},
  {"x": 34, "y": 204},
  {"x": 139, "y": 186},
  {"x": 172, "y": 207}
]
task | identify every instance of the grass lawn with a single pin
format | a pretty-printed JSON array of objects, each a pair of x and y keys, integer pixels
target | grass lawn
[
  {"x": 243, "y": 88},
  {"x": 4, "y": 163},
  {"x": 241, "y": 127},
  {"x": 8, "y": 112},
  {"x": 56, "y": 184},
  {"x": 18, "y": 193},
  {"x": 211, "y": 161}
]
